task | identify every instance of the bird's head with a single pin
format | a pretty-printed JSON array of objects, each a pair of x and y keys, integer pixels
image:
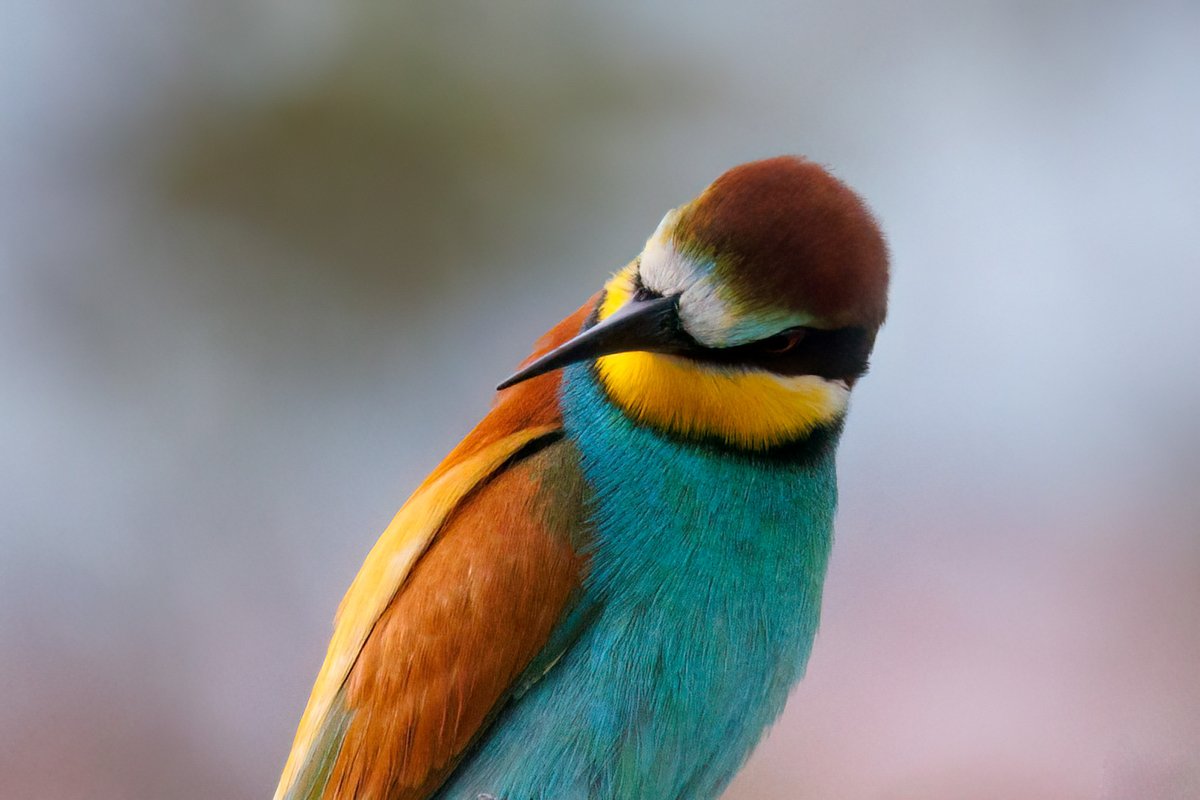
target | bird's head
[{"x": 749, "y": 314}]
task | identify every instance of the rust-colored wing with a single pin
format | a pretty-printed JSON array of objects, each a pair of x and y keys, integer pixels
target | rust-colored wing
[{"x": 458, "y": 596}]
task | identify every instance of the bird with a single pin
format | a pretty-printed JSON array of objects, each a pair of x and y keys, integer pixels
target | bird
[{"x": 609, "y": 587}]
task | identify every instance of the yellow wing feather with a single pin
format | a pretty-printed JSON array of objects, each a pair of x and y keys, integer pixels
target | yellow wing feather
[{"x": 384, "y": 572}]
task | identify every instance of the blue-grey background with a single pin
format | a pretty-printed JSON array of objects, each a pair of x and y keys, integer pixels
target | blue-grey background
[{"x": 262, "y": 261}]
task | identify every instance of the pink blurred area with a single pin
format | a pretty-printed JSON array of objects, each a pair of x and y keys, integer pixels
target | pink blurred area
[{"x": 261, "y": 264}]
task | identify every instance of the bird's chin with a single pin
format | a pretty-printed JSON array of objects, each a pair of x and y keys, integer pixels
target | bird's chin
[{"x": 746, "y": 409}]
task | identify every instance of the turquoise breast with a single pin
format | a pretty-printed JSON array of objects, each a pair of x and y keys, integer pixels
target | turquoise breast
[{"x": 698, "y": 615}]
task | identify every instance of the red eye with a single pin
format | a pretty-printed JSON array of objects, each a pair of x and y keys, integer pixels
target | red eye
[{"x": 782, "y": 342}]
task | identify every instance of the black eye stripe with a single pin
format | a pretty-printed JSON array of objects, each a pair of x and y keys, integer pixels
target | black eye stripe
[
  {"x": 781, "y": 342},
  {"x": 840, "y": 353}
]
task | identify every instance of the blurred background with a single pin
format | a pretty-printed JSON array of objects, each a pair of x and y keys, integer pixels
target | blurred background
[{"x": 262, "y": 261}]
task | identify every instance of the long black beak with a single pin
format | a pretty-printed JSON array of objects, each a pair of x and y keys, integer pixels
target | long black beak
[{"x": 651, "y": 325}]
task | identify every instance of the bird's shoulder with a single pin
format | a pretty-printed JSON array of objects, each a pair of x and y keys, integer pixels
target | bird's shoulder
[{"x": 459, "y": 595}]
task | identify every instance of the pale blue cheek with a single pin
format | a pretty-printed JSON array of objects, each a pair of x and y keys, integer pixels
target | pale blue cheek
[
  {"x": 762, "y": 324},
  {"x": 702, "y": 604},
  {"x": 713, "y": 314}
]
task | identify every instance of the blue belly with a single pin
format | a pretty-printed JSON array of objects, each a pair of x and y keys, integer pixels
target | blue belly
[{"x": 697, "y": 617}]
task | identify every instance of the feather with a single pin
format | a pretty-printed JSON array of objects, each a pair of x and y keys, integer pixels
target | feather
[{"x": 475, "y": 500}]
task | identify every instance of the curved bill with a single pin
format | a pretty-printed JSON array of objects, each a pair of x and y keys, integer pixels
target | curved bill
[{"x": 651, "y": 325}]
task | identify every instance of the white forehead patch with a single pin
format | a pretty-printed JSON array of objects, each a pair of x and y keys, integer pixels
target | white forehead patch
[
  {"x": 704, "y": 314},
  {"x": 707, "y": 309}
]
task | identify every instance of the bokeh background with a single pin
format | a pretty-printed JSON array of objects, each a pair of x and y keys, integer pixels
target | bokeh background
[{"x": 261, "y": 262}]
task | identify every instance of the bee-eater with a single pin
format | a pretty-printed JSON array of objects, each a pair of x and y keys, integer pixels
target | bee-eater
[{"x": 607, "y": 589}]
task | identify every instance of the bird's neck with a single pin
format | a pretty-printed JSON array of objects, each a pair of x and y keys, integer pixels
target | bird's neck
[
  {"x": 653, "y": 472},
  {"x": 705, "y": 580}
]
